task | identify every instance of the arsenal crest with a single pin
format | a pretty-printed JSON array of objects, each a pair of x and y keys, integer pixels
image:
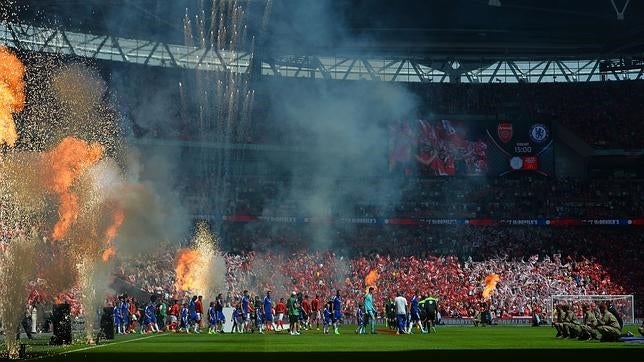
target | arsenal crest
[{"x": 504, "y": 130}]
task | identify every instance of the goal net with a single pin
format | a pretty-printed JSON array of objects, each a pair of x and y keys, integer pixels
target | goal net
[{"x": 624, "y": 304}]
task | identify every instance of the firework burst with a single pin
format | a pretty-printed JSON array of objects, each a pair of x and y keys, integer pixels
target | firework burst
[{"x": 196, "y": 267}]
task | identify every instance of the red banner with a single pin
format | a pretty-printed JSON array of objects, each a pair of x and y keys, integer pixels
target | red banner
[
  {"x": 565, "y": 221},
  {"x": 403, "y": 221}
]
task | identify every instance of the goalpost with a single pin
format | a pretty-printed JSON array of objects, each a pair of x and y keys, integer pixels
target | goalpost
[{"x": 624, "y": 304}]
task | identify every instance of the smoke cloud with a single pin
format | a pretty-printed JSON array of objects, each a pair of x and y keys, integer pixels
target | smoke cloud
[
  {"x": 341, "y": 126},
  {"x": 157, "y": 214}
]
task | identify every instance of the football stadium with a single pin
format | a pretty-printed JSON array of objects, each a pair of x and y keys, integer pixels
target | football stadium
[{"x": 321, "y": 179}]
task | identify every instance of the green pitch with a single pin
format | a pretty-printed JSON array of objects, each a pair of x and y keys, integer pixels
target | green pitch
[{"x": 512, "y": 339}]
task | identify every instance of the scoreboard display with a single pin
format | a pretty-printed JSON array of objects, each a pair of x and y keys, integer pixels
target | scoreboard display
[
  {"x": 451, "y": 147},
  {"x": 520, "y": 147}
]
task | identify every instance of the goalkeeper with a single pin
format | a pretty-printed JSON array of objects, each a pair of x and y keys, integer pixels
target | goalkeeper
[{"x": 370, "y": 310}]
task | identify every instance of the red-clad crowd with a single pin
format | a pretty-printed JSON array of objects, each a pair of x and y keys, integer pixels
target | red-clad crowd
[{"x": 526, "y": 283}]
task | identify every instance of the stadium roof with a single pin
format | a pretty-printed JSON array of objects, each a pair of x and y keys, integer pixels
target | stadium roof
[{"x": 464, "y": 28}]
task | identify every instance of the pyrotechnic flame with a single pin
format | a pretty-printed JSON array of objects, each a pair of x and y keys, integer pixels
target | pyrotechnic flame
[
  {"x": 187, "y": 260},
  {"x": 490, "y": 284},
  {"x": 117, "y": 220},
  {"x": 371, "y": 279},
  {"x": 108, "y": 253},
  {"x": 194, "y": 269},
  {"x": 12, "y": 95},
  {"x": 64, "y": 164},
  {"x": 71, "y": 103},
  {"x": 69, "y": 160},
  {"x": 67, "y": 211}
]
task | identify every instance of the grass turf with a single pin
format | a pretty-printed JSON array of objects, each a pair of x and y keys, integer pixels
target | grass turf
[{"x": 494, "y": 342}]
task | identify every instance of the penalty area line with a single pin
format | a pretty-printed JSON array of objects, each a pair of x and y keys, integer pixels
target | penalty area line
[{"x": 112, "y": 344}]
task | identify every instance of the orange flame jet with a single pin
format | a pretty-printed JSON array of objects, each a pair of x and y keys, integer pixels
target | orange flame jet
[
  {"x": 490, "y": 285},
  {"x": 12, "y": 95},
  {"x": 63, "y": 165},
  {"x": 117, "y": 220},
  {"x": 186, "y": 279},
  {"x": 371, "y": 279}
]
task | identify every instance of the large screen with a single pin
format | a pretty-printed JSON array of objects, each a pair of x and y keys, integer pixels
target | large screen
[{"x": 447, "y": 147}]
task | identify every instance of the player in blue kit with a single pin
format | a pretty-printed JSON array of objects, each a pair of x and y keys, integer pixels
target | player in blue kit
[
  {"x": 360, "y": 315},
  {"x": 326, "y": 314},
  {"x": 117, "y": 317},
  {"x": 337, "y": 312},
  {"x": 150, "y": 319},
  {"x": 237, "y": 320},
  {"x": 268, "y": 311},
  {"x": 185, "y": 323},
  {"x": 125, "y": 313},
  {"x": 219, "y": 308},
  {"x": 246, "y": 311},
  {"x": 193, "y": 318},
  {"x": 212, "y": 318},
  {"x": 415, "y": 313}
]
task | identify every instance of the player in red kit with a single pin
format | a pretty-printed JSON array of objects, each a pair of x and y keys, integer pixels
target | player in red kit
[
  {"x": 174, "y": 316},
  {"x": 199, "y": 308},
  {"x": 280, "y": 310},
  {"x": 315, "y": 310},
  {"x": 134, "y": 315}
]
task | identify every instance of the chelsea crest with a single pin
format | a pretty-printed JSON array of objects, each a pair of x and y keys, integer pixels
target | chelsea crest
[{"x": 538, "y": 133}]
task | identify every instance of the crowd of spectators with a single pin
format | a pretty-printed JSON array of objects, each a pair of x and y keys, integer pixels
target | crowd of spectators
[
  {"x": 151, "y": 277},
  {"x": 465, "y": 252},
  {"x": 600, "y": 260},
  {"x": 532, "y": 268},
  {"x": 527, "y": 197},
  {"x": 448, "y": 262}
]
